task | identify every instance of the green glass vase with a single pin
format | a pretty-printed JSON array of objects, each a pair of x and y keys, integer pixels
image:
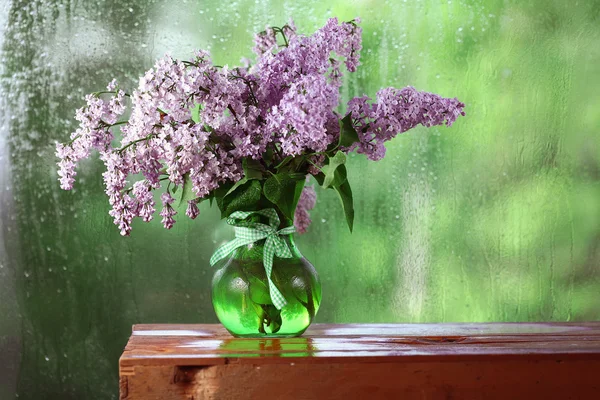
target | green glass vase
[{"x": 240, "y": 293}]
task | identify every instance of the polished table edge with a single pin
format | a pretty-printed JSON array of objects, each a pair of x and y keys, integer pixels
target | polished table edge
[
  {"x": 210, "y": 344},
  {"x": 379, "y": 330}
]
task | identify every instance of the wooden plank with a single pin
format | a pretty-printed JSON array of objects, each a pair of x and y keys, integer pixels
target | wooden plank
[
  {"x": 416, "y": 361},
  {"x": 503, "y": 379},
  {"x": 211, "y": 344}
]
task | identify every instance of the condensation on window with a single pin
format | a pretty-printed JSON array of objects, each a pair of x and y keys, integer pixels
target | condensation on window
[{"x": 493, "y": 219}]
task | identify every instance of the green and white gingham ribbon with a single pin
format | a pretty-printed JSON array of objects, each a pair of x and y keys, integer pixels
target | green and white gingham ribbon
[{"x": 249, "y": 232}]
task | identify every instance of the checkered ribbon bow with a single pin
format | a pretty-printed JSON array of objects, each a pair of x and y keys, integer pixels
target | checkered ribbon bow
[{"x": 247, "y": 232}]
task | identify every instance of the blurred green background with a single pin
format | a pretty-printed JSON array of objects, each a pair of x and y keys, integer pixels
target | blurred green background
[{"x": 494, "y": 219}]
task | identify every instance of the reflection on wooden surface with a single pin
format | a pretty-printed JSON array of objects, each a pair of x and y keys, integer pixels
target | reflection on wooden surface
[
  {"x": 212, "y": 344},
  {"x": 375, "y": 361}
]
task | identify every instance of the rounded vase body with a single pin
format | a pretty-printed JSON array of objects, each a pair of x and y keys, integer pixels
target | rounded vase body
[{"x": 241, "y": 298}]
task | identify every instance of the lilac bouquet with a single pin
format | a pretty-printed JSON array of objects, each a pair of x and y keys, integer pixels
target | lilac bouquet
[{"x": 245, "y": 137}]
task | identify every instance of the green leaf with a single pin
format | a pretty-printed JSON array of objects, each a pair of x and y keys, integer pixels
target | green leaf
[
  {"x": 220, "y": 192},
  {"x": 345, "y": 193},
  {"x": 259, "y": 291},
  {"x": 273, "y": 317},
  {"x": 208, "y": 197},
  {"x": 187, "y": 193},
  {"x": 244, "y": 198},
  {"x": 196, "y": 113},
  {"x": 284, "y": 190},
  {"x": 284, "y": 162},
  {"x": 331, "y": 167},
  {"x": 222, "y": 189},
  {"x": 236, "y": 185},
  {"x": 341, "y": 185},
  {"x": 268, "y": 157},
  {"x": 252, "y": 170},
  {"x": 298, "y": 162},
  {"x": 348, "y": 135}
]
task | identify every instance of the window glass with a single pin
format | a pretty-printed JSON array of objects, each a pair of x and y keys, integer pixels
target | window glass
[{"x": 493, "y": 219}]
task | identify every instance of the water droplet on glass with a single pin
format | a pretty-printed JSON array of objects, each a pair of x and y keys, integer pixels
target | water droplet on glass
[{"x": 47, "y": 358}]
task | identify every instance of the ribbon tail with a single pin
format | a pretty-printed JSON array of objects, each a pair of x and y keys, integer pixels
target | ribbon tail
[
  {"x": 282, "y": 249},
  {"x": 226, "y": 249},
  {"x": 276, "y": 297}
]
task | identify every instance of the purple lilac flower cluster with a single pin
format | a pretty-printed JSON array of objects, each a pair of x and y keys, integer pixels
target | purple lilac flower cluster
[
  {"x": 396, "y": 111},
  {"x": 95, "y": 121},
  {"x": 307, "y": 201},
  {"x": 193, "y": 123}
]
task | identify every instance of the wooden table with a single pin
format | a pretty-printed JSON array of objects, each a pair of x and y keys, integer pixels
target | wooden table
[{"x": 365, "y": 361}]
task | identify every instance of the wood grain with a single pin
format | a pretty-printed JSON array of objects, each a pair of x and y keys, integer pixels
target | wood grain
[{"x": 426, "y": 361}]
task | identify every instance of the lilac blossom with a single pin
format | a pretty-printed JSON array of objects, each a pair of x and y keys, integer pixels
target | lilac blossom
[
  {"x": 167, "y": 212},
  {"x": 303, "y": 114},
  {"x": 144, "y": 202},
  {"x": 192, "y": 210},
  {"x": 264, "y": 41},
  {"x": 115, "y": 180},
  {"x": 93, "y": 133},
  {"x": 193, "y": 123},
  {"x": 300, "y": 84},
  {"x": 307, "y": 201},
  {"x": 396, "y": 111},
  {"x": 68, "y": 162}
]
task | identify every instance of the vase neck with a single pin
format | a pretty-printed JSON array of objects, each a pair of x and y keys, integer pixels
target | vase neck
[
  {"x": 255, "y": 250},
  {"x": 290, "y": 240}
]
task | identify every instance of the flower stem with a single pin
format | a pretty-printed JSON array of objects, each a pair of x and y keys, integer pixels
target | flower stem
[
  {"x": 116, "y": 123},
  {"x": 122, "y": 149},
  {"x": 280, "y": 30},
  {"x": 108, "y": 91}
]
